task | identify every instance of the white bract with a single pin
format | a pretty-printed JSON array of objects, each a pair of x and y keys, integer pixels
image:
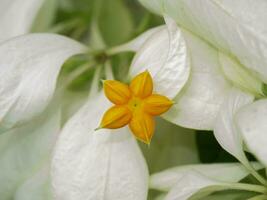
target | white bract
[
  {"x": 225, "y": 48},
  {"x": 166, "y": 57},
  {"x": 235, "y": 27},
  {"x": 25, "y": 149},
  {"x": 251, "y": 122},
  {"x": 201, "y": 180},
  {"x": 17, "y": 17},
  {"x": 99, "y": 165},
  {"x": 29, "y": 66},
  {"x": 228, "y": 38}
]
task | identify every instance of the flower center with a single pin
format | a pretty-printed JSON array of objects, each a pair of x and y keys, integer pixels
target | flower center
[{"x": 135, "y": 103}]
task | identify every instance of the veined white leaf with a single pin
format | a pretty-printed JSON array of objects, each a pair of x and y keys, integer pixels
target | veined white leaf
[
  {"x": 165, "y": 56},
  {"x": 236, "y": 27},
  {"x": 225, "y": 130},
  {"x": 239, "y": 75},
  {"x": 189, "y": 184},
  {"x": 251, "y": 122},
  {"x": 226, "y": 172},
  {"x": 26, "y": 150},
  {"x": 194, "y": 185},
  {"x": 29, "y": 66},
  {"x": 100, "y": 164},
  {"x": 17, "y": 17},
  {"x": 198, "y": 104}
]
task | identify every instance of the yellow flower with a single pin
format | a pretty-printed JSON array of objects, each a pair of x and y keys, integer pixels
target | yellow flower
[{"x": 135, "y": 105}]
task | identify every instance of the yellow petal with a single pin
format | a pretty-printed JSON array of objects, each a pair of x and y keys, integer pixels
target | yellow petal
[
  {"x": 116, "y": 117},
  {"x": 142, "y": 125},
  {"x": 117, "y": 92},
  {"x": 157, "y": 104},
  {"x": 142, "y": 85}
]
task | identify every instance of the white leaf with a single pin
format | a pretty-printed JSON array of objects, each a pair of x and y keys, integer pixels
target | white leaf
[
  {"x": 26, "y": 149},
  {"x": 165, "y": 56},
  {"x": 251, "y": 122},
  {"x": 199, "y": 102},
  {"x": 228, "y": 172},
  {"x": 236, "y": 27},
  {"x": 17, "y": 17},
  {"x": 98, "y": 165},
  {"x": 29, "y": 66},
  {"x": 239, "y": 75},
  {"x": 225, "y": 129},
  {"x": 36, "y": 187},
  {"x": 189, "y": 184}
]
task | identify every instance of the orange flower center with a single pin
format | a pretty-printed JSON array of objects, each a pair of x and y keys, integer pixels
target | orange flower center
[{"x": 135, "y": 103}]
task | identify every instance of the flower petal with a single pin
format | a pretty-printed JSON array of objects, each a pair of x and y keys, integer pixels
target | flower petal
[
  {"x": 226, "y": 172},
  {"x": 116, "y": 117},
  {"x": 117, "y": 92},
  {"x": 16, "y": 17},
  {"x": 99, "y": 165},
  {"x": 198, "y": 104},
  {"x": 29, "y": 66},
  {"x": 165, "y": 56},
  {"x": 225, "y": 130},
  {"x": 26, "y": 149},
  {"x": 143, "y": 126},
  {"x": 142, "y": 85},
  {"x": 157, "y": 104},
  {"x": 251, "y": 122},
  {"x": 236, "y": 27}
]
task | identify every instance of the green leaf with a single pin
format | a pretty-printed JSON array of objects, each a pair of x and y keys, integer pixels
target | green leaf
[
  {"x": 45, "y": 17},
  {"x": 115, "y": 22},
  {"x": 229, "y": 195}
]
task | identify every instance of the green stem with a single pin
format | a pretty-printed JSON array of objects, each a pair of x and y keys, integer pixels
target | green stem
[
  {"x": 254, "y": 173},
  {"x": 64, "y": 26},
  {"x": 108, "y": 71},
  {"x": 95, "y": 82},
  {"x": 248, "y": 187},
  {"x": 143, "y": 24},
  {"x": 77, "y": 72},
  {"x": 259, "y": 197},
  {"x": 118, "y": 49}
]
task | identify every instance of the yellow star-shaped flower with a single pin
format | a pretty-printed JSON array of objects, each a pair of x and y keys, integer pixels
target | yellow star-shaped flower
[{"x": 135, "y": 105}]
